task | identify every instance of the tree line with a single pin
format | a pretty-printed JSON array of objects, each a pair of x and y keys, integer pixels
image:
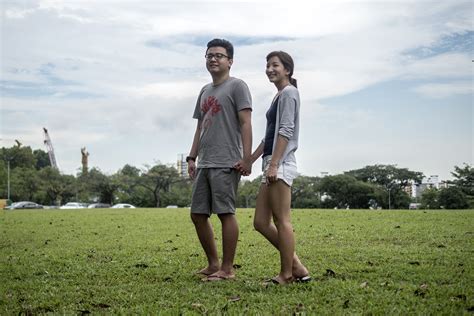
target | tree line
[{"x": 377, "y": 186}]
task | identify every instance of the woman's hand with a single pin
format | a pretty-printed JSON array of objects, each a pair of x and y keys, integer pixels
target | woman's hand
[
  {"x": 271, "y": 174},
  {"x": 244, "y": 167}
]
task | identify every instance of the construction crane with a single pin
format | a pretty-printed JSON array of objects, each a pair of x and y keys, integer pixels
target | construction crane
[{"x": 49, "y": 147}]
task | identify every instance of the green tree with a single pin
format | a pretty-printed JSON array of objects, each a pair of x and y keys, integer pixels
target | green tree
[
  {"x": 179, "y": 193},
  {"x": 453, "y": 198},
  {"x": 394, "y": 180},
  {"x": 19, "y": 156},
  {"x": 343, "y": 191},
  {"x": 395, "y": 197},
  {"x": 430, "y": 199},
  {"x": 94, "y": 186},
  {"x": 128, "y": 190},
  {"x": 41, "y": 159},
  {"x": 130, "y": 171},
  {"x": 386, "y": 175},
  {"x": 3, "y": 180},
  {"x": 464, "y": 179},
  {"x": 305, "y": 192},
  {"x": 25, "y": 184},
  {"x": 158, "y": 180},
  {"x": 247, "y": 192},
  {"x": 24, "y": 180},
  {"x": 56, "y": 189}
]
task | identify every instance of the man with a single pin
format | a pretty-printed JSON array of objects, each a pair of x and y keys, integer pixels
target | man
[{"x": 223, "y": 139}]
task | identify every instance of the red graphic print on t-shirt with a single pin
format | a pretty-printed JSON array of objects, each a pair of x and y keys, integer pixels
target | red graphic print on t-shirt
[{"x": 210, "y": 107}]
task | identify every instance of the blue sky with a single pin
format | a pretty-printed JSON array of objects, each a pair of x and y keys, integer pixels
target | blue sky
[{"x": 386, "y": 82}]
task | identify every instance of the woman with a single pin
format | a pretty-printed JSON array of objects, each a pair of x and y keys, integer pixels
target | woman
[{"x": 279, "y": 168}]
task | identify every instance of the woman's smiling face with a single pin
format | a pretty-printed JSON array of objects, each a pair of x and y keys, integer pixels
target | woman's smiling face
[{"x": 275, "y": 70}]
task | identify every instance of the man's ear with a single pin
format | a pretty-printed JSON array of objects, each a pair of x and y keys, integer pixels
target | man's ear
[{"x": 230, "y": 62}]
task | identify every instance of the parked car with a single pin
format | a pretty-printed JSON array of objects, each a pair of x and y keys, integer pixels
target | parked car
[
  {"x": 73, "y": 205},
  {"x": 24, "y": 205},
  {"x": 123, "y": 205},
  {"x": 172, "y": 206},
  {"x": 414, "y": 206},
  {"x": 99, "y": 205}
]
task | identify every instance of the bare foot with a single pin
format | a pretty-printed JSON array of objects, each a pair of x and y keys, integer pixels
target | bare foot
[
  {"x": 208, "y": 270},
  {"x": 300, "y": 271},
  {"x": 279, "y": 280}
]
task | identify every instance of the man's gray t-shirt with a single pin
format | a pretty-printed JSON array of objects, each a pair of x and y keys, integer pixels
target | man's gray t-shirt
[{"x": 217, "y": 107}]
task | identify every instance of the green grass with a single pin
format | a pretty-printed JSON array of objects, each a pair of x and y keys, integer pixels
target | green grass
[{"x": 142, "y": 261}]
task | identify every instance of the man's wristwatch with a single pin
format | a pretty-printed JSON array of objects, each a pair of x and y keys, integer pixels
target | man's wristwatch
[{"x": 188, "y": 158}]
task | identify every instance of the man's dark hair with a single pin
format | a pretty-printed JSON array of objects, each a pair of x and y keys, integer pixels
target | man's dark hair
[{"x": 218, "y": 42}]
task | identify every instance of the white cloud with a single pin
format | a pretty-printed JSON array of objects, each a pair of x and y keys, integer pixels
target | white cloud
[
  {"x": 449, "y": 65},
  {"x": 141, "y": 66},
  {"x": 443, "y": 90},
  {"x": 169, "y": 90}
]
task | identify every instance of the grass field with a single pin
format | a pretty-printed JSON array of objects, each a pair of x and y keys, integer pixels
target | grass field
[{"x": 142, "y": 261}]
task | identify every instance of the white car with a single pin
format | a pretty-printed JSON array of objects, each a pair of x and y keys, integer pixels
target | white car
[
  {"x": 23, "y": 205},
  {"x": 99, "y": 205},
  {"x": 73, "y": 205},
  {"x": 123, "y": 205}
]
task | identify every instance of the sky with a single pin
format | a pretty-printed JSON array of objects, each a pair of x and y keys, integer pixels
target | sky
[{"x": 381, "y": 82}]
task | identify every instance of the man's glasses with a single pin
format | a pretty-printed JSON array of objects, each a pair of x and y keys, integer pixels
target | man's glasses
[{"x": 217, "y": 56}]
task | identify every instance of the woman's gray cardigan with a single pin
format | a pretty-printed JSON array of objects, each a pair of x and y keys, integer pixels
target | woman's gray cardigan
[{"x": 288, "y": 123}]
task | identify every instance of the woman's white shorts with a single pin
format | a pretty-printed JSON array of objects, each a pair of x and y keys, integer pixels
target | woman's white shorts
[{"x": 286, "y": 171}]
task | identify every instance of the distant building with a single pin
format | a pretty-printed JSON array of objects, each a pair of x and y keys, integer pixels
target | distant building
[
  {"x": 408, "y": 189},
  {"x": 430, "y": 182},
  {"x": 444, "y": 185},
  {"x": 182, "y": 165}
]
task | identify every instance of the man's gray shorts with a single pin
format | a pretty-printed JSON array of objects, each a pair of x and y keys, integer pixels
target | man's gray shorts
[{"x": 215, "y": 191}]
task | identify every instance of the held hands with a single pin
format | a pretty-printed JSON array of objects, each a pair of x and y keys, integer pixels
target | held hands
[{"x": 244, "y": 166}]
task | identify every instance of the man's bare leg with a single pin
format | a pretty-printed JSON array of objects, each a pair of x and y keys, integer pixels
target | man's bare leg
[
  {"x": 206, "y": 237},
  {"x": 230, "y": 235}
]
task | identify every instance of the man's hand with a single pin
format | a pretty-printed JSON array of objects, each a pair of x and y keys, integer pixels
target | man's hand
[
  {"x": 244, "y": 166},
  {"x": 192, "y": 169}
]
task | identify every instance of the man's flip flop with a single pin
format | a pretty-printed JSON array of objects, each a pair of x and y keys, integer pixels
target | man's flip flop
[
  {"x": 303, "y": 279},
  {"x": 205, "y": 273},
  {"x": 202, "y": 273},
  {"x": 217, "y": 278}
]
